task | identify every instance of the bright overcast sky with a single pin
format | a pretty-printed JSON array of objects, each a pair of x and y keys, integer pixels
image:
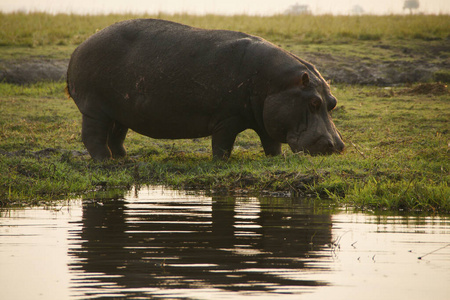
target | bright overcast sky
[{"x": 259, "y": 7}]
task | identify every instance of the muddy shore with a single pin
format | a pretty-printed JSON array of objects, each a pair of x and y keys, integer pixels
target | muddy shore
[{"x": 396, "y": 66}]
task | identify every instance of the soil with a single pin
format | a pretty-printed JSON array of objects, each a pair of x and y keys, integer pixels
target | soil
[
  {"x": 427, "y": 89},
  {"x": 384, "y": 64},
  {"x": 338, "y": 69},
  {"x": 398, "y": 65},
  {"x": 32, "y": 70}
]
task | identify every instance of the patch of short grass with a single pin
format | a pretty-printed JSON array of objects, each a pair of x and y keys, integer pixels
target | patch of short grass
[{"x": 396, "y": 157}]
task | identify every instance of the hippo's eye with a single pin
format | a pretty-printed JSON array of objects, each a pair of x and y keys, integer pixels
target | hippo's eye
[{"x": 315, "y": 103}]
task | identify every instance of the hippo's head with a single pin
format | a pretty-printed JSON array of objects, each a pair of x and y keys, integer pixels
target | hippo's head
[{"x": 299, "y": 115}]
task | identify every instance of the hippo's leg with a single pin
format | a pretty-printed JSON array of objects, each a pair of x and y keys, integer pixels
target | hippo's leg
[
  {"x": 224, "y": 137},
  {"x": 116, "y": 136},
  {"x": 270, "y": 146},
  {"x": 222, "y": 145},
  {"x": 94, "y": 134}
]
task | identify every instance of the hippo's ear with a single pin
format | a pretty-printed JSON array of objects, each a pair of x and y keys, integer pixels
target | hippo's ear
[{"x": 304, "y": 80}]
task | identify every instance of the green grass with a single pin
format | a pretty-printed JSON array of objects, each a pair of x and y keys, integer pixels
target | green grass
[
  {"x": 397, "y": 154},
  {"x": 396, "y": 158},
  {"x": 40, "y": 29}
]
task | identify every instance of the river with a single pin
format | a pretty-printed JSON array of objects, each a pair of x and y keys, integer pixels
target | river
[{"x": 164, "y": 244}]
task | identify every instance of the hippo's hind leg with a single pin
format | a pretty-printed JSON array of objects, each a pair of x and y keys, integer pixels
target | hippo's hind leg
[
  {"x": 116, "y": 136},
  {"x": 94, "y": 134},
  {"x": 103, "y": 138}
]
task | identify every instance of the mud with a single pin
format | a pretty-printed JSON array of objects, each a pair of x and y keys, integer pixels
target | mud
[
  {"x": 408, "y": 68},
  {"x": 427, "y": 89},
  {"x": 32, "y": 70},
  {"x": 354, "y": 70}
]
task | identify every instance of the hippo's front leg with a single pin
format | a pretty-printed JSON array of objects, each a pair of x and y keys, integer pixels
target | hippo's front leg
[
  {"x": 222, "y": 145},
  {"x": 270, "y": 146},
  {"x": 224, "y": 136}
]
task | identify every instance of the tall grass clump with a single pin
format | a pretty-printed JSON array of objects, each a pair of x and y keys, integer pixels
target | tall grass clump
[
  {"x": 419, "y": 194},
  {"x": 40, "y": 29}
]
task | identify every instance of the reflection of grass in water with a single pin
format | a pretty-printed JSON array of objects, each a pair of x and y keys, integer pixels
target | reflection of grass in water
[
  {"x": 39, "y": 29},
  {"x": 396, "y": 156}
]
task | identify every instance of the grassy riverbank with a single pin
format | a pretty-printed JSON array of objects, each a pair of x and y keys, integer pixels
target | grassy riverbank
[{"x": 397, "y": 154}]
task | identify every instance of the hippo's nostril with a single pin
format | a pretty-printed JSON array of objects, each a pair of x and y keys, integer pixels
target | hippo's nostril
[{"x": 330, "y": 145}]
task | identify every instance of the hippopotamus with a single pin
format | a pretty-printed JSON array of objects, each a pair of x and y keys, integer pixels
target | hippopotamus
[{"x": 171, "y": 81}]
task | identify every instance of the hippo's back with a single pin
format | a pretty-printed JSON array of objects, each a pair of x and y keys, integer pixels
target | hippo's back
[
  {"x": 154, "y": 49},
  {"x": 150, "y": 41}
]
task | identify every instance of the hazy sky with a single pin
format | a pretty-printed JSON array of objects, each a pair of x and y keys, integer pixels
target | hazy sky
[{"x": 260, "y": 7}]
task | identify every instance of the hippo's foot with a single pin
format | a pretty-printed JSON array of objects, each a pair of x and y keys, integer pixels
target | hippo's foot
[
  {"x": 222, "y": 148},
  {"x": 270, "y": 146},
  {"x": 116, "y": 136},
  {"x": 94, "y": 134},
  {"x": 222, "y": 145},
  {"x": 103, "y": 139},
  {"x": 224, "y": 137}
]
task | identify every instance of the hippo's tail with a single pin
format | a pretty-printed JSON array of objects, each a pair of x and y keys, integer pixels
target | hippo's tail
[{"x": 66, "y": 91}]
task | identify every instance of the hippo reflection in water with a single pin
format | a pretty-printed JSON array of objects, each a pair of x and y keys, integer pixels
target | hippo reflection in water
[
  {"x": 170, "y": 81},
  {"x": 152, "y": 247}
]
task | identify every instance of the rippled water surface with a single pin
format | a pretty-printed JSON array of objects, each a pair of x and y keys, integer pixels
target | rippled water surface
[{"x": 155, "y": 243}]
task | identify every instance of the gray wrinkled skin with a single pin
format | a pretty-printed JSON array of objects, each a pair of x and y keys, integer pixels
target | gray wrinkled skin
[{"x": 171, "y": 81}]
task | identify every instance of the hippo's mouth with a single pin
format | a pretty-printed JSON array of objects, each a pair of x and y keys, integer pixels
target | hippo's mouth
[{"x": 318, "y": 146}]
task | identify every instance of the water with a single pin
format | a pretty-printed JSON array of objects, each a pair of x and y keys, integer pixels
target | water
[{"x": 155, "y": 243}]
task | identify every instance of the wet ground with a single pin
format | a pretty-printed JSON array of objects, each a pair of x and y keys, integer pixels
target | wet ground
[
  {"x": 156, "y": 243},
  {"x": 382, "y": 63}
]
